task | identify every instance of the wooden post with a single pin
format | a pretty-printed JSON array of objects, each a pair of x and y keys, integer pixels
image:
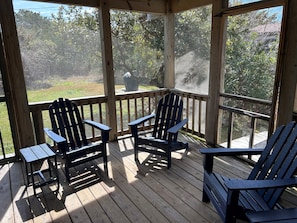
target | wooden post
[
  {"x": 218, "y": 34},
  {"x": 13, "y": 77},
  {"x": 288, "y": 64},
  {"x": 107, "y": 62},
  {"x": 169, "y": 78}
]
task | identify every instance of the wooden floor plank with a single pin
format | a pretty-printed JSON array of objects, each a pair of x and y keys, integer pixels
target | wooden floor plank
[
  {"x": 152, "y": 195},
  {"x": 91, "y": 175},
  {"x": 93, "y": 208},
  {"x": 114, "y": 212},
  {"x": 54, "y": 204},
  {"x": 22, "y": 212},
  {"x": 74, "y": 207},
  {"x": 127, "y": 180},
  {"x": 6, "y": 211},
  {"x": 126, "y": 205},
  {"x": 159, "y": 186},
  {"x": 39, "y": 212},
  {"x": 132, "y": 193},
  {"x": 180, "y": 183}
]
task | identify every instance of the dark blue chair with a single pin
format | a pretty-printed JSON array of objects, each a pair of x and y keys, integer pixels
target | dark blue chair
[
  {"x": 164, "y": 138},
  {"x": 69, "y": 134},
  {"x": 270, "y": 176}
]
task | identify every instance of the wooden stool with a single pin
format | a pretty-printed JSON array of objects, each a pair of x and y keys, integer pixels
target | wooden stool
[{"x": 37, "y": 154}]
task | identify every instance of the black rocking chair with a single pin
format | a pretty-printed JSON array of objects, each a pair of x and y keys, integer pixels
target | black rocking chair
[
  {"x": 165, "y": 130},
  {"x": 68, "y": 133}
]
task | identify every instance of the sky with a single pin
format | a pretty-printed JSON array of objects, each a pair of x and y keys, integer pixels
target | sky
[{"x": 45, "y": 9}]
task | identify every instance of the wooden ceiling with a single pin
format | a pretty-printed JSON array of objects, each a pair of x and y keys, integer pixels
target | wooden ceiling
[{"x": 152, "y": 6}]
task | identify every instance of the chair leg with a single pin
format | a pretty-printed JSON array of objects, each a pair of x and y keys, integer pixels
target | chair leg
[
  {"x": 105, "y": 164},
  {"x": 229, "y": 218},
  {"x": 67, "y": 172},
  {"x": 136, "y": 154},
  {"x": 168, "y": 158},
  {"x": 187, "y": 150},
  {"x": 205, "y": 197}
]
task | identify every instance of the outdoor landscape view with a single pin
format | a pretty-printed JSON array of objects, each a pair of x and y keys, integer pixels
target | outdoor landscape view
[{"x": 61, "y": 52}]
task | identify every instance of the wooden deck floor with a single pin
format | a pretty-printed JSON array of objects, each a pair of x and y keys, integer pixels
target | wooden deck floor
[{"x": 153, "y": 194}]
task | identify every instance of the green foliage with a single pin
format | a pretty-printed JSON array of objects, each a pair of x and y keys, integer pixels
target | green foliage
[
  {"x": 5, "y": 129},
  {"x": 192, "y": 30},
  {"x": 192, "y": 49},
  {"x": 68, "y": 44},
  {"x": 133, "y": 48},
  {"x": 250, "y": 60},
  {"x": 153, "y": 30}
]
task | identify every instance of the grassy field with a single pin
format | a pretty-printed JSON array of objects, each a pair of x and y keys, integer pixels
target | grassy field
[{"x": 70, "y": 88}]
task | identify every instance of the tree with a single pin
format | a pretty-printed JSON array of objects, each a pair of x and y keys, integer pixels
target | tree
[
  {"x": 250, "y": 62},
  {"x": 132, "y": 46},
  {"x": 78, "y": 41},
  {"x": 192, "y": 32},
  {"x": 68, "y": 44},
  {"x": 38, "y": 50},
  {"x": 192, "y": 49}
]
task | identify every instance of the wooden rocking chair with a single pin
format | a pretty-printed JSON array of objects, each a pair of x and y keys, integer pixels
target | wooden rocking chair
[
  {"x": 68, "y": 133},
  {"x": 165, "y": 130},
  {"x": 260, "y": 192}
]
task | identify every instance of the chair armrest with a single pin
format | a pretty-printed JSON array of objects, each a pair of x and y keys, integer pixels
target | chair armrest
[
  {"x": 141, "y": 120},
  {"x": 235, "y": 186},
  {"x": 97, "y": 125},
  {"x": 230, "y": 152},
  {"x": 177, "y": 127},
  {"x": 211, "y": 152},
  {"x": 104, "y": 129},
  {"x": 238, "y": 184},
  {"x": 54, "y": 136}
]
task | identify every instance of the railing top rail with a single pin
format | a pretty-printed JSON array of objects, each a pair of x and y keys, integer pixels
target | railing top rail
[
  {"x": 125, "y": 95},
  {"x": 2, "y": 98},
  {"x": 246, "y": 98},
  {"x": 202, "y": 97},
  {"x": 245, "y": 112},
  {"x": 79, "y": 101},
  {"x": 139, "y": 94}
]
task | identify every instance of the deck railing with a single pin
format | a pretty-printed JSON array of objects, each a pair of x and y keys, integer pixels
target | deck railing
[
  {"x": 132, "y": 105},
  {"x": 254, "y": 112},
  {"x": 129, "y": 106}
]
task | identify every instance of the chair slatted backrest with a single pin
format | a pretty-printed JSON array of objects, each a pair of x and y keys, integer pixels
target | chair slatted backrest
[
  {"x": 169, "y": 113},
  {"x": 278, "y": 161},
  {"x": 66, "y": 121}
]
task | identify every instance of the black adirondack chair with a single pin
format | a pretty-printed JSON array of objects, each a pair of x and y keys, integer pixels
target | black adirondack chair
[
  {"x": 168, "y": 122},
  {"x": 261, "y": 191},
  {"x": 68, "y": 133}
]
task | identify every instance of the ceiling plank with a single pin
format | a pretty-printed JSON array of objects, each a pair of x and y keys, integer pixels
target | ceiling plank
[
  {"x": 89, "y": 3},
  {"x": 183, "y": 5},
  {"x": 156, "y": 6}
]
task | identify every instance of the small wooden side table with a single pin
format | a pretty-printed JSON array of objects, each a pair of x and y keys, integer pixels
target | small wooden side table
[{"x": 35, "y": 155}]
